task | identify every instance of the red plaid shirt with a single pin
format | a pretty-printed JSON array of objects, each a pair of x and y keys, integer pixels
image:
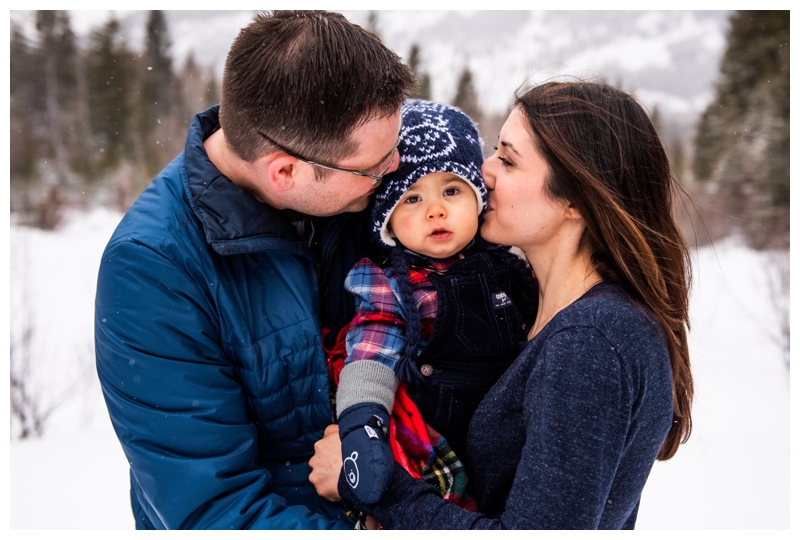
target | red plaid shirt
[{"x": 377, "y": 332}]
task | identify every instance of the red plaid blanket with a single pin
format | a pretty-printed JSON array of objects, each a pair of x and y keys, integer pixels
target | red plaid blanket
[{"x": 417, "y": 447}]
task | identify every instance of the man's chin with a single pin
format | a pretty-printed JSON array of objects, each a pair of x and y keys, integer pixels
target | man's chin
[
  {"x": 354, "y": 206},
  {"x": 357, "y": 206}
]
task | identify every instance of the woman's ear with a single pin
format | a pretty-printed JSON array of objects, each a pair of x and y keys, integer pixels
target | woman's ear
[{"x": 572, "y": 212}]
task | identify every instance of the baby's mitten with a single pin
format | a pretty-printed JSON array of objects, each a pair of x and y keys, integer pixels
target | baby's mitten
[{"x": 366, "y": 452}]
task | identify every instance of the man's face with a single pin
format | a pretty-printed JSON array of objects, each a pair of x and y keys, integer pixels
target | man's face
[{"x": 340, "y": 192}]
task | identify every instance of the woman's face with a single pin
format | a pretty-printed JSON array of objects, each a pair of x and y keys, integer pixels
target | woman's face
[{"x": 520, "y": 212}]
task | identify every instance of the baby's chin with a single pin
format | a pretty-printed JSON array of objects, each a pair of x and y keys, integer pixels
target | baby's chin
[
  {"x": 439, "y": 255},
  {"x": 442, "y": 254}
]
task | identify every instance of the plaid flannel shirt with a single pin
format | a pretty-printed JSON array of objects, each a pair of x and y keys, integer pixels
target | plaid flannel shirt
[{"x": 377, "y": 331}]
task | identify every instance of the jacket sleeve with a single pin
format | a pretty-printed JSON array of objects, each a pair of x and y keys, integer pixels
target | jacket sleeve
[
  {"x": 175, "y": 404},
  {"x": 576, "y": 420}
]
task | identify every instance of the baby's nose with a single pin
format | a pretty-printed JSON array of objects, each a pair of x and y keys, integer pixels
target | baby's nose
[{"x": 435, "y": 211}]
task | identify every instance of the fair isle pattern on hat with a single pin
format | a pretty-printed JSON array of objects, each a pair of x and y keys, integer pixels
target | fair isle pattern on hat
[{"x": 434, "y": 138}]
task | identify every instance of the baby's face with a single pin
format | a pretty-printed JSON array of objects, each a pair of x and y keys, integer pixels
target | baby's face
[{"x": 437, "y": 216}]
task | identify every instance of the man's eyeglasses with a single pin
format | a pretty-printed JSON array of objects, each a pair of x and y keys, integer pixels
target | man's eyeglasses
[{"x": 376, "y": 178}]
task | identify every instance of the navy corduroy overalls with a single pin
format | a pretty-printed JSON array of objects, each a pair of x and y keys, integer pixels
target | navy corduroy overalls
[{"x": 477, "y": 333}]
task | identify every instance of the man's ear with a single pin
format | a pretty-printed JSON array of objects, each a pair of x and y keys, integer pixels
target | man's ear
[{"x": 281, "y": 171}]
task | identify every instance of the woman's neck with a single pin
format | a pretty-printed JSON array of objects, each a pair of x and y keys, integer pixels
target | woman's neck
[{"x": 564, "y": 275}]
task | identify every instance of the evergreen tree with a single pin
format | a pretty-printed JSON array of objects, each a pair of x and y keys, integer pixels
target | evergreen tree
[
  {"x": 677, "y": 156},
  {"x": 372, "y": 23},
  {"x": 466, "y": 97},
  {"x": 53, "y": 119},
  {"x": 670, "y": 135},
  {"x": 742, "y": 143},
  {"x": 66, "y": 52},
  {"x": 193, "y": 88},
  {"x": 110, "y": 81},
  {"x": 156, "y": 116},
  {"x": 158, "y": 64},
  {"x": 658, "y": 121},
  {"x": 69, "y": 87},
  {"x": 212, "y": 88},
  {"x": 57, "y": 53},
  {"x": 25, "y": 97},
  {"x": 423, "y": 88},
  {"x": 199, "y": 88}
]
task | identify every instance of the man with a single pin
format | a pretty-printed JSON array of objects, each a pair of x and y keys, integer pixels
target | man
[{"x": 213, "y": 292}]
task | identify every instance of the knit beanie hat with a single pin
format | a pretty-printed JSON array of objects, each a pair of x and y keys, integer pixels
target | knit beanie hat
[{"x": 434, "y": 138}]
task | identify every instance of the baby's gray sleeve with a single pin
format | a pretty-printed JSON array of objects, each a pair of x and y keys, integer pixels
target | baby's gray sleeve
[{"x": 366, "y": 382}]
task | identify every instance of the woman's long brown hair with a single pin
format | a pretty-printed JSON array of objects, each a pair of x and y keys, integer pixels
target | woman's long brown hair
[{"x": 607, "y": 160}]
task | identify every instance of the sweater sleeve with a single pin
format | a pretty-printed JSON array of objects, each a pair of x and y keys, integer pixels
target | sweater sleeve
[{"x": 576, "y": 415}]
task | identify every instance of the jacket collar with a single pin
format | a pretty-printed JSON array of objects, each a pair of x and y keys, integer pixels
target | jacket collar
[{"x": 233, "y": 220}]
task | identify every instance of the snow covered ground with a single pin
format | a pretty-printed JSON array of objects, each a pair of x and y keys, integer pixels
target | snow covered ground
[{"x": 733, "y": 473}]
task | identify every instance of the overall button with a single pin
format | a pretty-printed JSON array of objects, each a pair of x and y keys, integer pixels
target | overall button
[{"x": 426, "y": 370}]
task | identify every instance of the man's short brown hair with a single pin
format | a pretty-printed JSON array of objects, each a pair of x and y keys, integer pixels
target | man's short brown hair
[{"x": 307, "y": 79}]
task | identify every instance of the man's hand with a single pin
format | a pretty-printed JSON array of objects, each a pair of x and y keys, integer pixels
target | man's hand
[{"x": 326, "y": 464}]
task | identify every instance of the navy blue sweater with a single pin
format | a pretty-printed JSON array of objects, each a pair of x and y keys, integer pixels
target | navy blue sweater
[{"x": 567, "y": 436}]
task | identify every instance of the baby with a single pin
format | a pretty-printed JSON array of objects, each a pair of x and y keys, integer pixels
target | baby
[{"x": 442, "y": 312}]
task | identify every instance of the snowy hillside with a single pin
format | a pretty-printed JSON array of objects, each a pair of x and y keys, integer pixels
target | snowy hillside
[{"x": 733, "y": 473}]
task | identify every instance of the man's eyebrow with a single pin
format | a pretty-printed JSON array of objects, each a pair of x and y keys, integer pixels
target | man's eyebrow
[
  {"x": 382, "y": 160},
  {"x": 386, "y": 155}
]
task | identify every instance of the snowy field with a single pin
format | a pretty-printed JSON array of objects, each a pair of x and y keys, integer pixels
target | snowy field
[{"x": 733, "y": 473}]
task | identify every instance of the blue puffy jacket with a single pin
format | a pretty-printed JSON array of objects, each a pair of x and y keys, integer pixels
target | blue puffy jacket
[{"x": 207, "y": 330}]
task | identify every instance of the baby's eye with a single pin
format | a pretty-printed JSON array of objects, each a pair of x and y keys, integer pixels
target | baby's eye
[
  {"x": 411, "y": 199},
  {"x": 449, "y": 192}
]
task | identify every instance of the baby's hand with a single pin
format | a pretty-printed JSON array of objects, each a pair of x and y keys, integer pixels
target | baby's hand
[{"x": 366, "y": 452}]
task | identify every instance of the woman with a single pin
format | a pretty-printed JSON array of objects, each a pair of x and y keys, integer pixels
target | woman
[{"x": 567, "y": 437}]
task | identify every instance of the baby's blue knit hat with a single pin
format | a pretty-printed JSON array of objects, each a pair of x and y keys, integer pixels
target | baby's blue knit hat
[{"x": 434, "y": 138}]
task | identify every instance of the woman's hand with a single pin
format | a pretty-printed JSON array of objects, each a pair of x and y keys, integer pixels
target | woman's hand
[
  {"x": 326, "y": 464},
  {"x": 372, "y": 523}
]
